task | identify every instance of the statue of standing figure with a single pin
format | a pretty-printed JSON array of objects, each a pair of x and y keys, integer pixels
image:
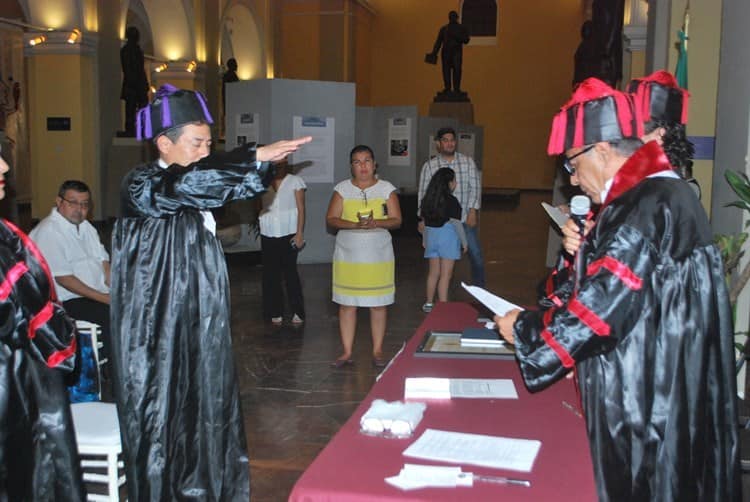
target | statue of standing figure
[
  {"x": 134, "y": 81},
  {"x": 451, "y": 38}
]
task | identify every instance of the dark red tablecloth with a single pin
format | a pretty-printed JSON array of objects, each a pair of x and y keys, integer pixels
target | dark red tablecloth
[{"x": 353, "y": 466}]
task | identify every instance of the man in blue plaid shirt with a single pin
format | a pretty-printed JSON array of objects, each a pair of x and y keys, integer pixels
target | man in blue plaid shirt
[{"x": 468, "y": 192}]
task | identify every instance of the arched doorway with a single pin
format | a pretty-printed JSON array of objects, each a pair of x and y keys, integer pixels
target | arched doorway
[{"x": 241, "y": 40}]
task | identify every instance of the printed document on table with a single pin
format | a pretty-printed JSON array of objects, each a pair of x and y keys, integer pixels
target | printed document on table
[
  {"x": 475, "y": 449},
  {"x": 491, "y": 388},
  {"x": 447, "y": 388},
  {"x": 496, "y": 304}
]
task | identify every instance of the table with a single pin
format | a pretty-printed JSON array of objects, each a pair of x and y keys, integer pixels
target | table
[{"x": 352, "y": 467}]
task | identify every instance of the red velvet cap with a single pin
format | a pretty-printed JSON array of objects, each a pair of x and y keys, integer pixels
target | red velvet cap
[
  {"x": 596, "y": 112},
  {"x": 660, "y": 98}
]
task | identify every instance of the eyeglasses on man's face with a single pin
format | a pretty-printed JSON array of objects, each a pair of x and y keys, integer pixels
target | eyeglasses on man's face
[
  {"x": 85, "y": 204},
  {"x": 568, "y": 161}
]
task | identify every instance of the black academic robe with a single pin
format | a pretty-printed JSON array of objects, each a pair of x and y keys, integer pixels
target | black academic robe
[
  {"x": 38, "y": 452},
  {"x": 650, "y": 334},
  {"x": 174, "y": 375}
]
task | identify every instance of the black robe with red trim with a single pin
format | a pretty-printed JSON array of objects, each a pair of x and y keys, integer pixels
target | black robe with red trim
[
  {"x": 650, "y": 334},
  {"x": 174, "y": 375},
  {"x": 558, "y": 285},
  {"x": 38, "y": 452}
]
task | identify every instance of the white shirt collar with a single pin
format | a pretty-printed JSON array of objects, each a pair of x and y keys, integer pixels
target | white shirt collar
[
  {"x": 661, "y": 174},
  {"x": 607, "y": 187},
  {"x": 208, "y": 218}
]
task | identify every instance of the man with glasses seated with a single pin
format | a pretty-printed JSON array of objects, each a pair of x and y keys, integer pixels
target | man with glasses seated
[{"x": 77, "y": 259}]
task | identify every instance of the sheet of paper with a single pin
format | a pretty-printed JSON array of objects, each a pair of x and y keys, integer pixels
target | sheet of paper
[
  {"x": 475, "y": 449},
  {"x": 496, "y": 304},
  {"x": 557, "y": 216},
  {"x": 447, "y": 388},
  {"x": 490, "y": 388},
  {"x": 414, "y": 476}
]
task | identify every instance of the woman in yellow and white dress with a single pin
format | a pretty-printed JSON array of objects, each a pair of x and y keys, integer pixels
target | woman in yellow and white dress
[{"x": 363, "y": 209}]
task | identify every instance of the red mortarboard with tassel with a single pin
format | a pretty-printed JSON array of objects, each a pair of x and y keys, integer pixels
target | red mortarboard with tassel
[
  {"x": 660, "y": 98},
  {"x": 596, "y": 112}
]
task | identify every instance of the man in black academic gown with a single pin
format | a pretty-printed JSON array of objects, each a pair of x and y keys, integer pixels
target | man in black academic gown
[
  {"x": 174, "y": 376},
  {"x": 648, "y": 329}
]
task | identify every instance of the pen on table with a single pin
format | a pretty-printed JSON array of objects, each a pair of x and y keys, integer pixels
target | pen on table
[
  {"x": 503, "y": 480},
  {"x": 572, "y": 408}
]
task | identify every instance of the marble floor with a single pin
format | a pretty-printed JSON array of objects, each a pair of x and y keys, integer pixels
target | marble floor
[{"x": 293, "y": 401}]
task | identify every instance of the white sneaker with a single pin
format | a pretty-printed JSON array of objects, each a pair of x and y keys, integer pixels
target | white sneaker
[
  {"x": 427, "y": 308},
  {"x": 297, "y": 319},
  {"x": 277, "y": 320}
]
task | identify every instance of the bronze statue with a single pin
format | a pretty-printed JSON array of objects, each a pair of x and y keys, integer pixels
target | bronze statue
[
  {"x": 229, "y": 76},
  {"x": 451, "y": 38},
  {"x": 134, "y": 81},
  {"x": 600, "y": 51}
]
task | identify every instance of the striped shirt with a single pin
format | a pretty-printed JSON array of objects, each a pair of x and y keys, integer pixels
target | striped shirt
[{"x": 468, "y": 182}]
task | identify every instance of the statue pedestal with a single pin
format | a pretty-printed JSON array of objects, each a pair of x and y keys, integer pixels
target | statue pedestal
[
  {"x": 463, "y": 111},
  {"x": 124, "y": 154}
]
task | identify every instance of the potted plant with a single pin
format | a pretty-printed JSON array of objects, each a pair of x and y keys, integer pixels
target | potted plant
[{"x": 732, "y": 253}]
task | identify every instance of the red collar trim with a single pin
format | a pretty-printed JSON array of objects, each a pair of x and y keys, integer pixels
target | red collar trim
[{"x": 646, "y": 161}]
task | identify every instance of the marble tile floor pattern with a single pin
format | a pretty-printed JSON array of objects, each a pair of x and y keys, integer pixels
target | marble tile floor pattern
[{"x": 293, "y": 401}]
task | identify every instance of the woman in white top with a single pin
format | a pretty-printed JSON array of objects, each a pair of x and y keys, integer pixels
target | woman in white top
[{"x": 282, "y": 223}]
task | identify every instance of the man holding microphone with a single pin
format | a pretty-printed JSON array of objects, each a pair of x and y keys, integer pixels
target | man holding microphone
[{"x": 649, "y": 328}]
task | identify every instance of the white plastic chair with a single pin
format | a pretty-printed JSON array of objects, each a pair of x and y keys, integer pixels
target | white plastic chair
[
  {"x": 98, "y": 436},
  {"x": 95, "y": 331}
]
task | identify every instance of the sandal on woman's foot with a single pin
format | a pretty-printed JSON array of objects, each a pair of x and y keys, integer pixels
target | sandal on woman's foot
[
  {"x": 427, "y": 307},
  {"x": 297, "y": 319},
  {"x": 379, "y": 362},
  {"x": 340, "y": 363},
  {"x": 277, "y": 320}
]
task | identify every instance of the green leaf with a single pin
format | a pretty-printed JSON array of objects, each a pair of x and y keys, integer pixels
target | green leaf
[
  {"x": 739, "y": 204},
  {"x": 740, "y": 184}
]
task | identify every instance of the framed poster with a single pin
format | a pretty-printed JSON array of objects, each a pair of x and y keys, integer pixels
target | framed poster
[
  {"x": 399, "y": 149},
  {"x": 316, "y": 156}
]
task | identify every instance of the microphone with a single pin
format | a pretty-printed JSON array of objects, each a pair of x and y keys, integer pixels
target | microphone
[{"x": 579, "y": 209}]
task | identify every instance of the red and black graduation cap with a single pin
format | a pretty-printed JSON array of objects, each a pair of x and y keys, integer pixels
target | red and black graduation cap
[
  {"x": 171, "y": 107},
  {"x": 596, "y": 112},
  {"x": 660, "y": 98}
]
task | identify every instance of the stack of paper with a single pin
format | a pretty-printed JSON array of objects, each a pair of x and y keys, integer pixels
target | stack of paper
[
  {"x": 447, "y": 388},
  {"x": 427, "y": 388}
]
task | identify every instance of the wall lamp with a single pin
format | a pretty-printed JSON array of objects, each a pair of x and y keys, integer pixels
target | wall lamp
[
  {"x": 74, "y": 36},
  {"x": 37, "y": 40},
  {"x": 160, "y": 68},
  {"x": 191, "y": 66}
]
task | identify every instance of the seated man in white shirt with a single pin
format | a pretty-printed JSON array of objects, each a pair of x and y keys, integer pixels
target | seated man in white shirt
[{"x": 77, "y": 259}]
